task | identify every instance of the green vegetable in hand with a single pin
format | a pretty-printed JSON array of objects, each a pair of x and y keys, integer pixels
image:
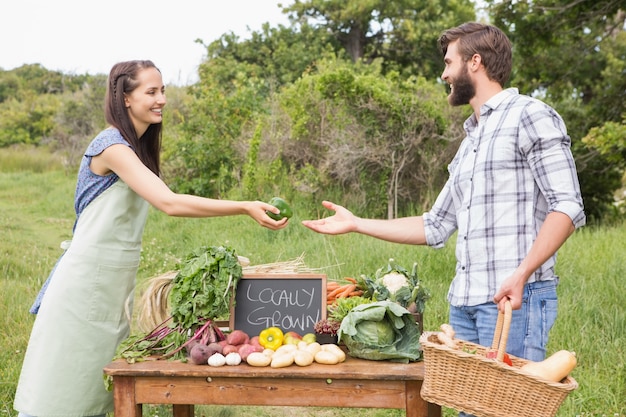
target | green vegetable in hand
[
  {"x": 285, "y": 209},
  {"x": 381, "y": 330}
]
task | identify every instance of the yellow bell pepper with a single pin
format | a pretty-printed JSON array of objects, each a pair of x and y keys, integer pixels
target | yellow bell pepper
[{"x": 271, "y": 338}]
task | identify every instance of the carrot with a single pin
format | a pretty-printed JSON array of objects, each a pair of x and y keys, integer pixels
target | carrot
[
  {"x": 346, "y": 291},
  {"x": 332, "y": 284},
  {"x": 352, "y": 280},
  {"x": 356, "y": 293},
  {"x": 336, "y": 291}
]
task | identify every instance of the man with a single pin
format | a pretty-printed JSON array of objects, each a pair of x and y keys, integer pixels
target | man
[{"x": 512, "y": 197}]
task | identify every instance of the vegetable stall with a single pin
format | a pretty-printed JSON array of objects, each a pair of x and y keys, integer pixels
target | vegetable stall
[
  {"x": 372, "y": 315},
  {"x": 373, "y": 318}
]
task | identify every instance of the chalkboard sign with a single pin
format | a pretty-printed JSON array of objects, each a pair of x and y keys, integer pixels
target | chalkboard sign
[{"x": 293, "y": 302}]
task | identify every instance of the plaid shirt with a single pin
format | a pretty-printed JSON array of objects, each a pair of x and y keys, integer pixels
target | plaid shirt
[{"x": 512, "y": 169}]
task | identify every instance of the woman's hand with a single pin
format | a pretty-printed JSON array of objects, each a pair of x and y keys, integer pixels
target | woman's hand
[{"x": 257, "y": 210}]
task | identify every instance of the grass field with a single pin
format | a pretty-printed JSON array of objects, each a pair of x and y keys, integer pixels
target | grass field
[{"x": 36, "y": 214}]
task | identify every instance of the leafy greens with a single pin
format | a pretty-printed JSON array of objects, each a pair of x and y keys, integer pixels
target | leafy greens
[
  {"x": 201, "y": 292},
  {"x": 203, "y": 285}
]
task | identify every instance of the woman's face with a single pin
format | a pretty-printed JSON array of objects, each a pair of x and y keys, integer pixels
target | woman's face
[{"x": 145, "y": 103}]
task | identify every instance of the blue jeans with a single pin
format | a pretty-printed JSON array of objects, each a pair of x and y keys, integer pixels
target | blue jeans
[{"x": 530, "y": 325}]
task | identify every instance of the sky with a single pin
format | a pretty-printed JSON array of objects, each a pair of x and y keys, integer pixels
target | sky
[{"x": 86, "y": 37}]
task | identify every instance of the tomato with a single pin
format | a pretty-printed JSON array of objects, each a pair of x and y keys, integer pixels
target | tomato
[
  {"x": 285, "y": 209},
  {"x": 507, "y": 359}
]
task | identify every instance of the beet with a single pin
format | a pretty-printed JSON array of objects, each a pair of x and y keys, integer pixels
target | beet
[
  {"x": 200, "y": 354},
  {"x": 190, "y": 346},
  {"x": 216, "y": 347}
]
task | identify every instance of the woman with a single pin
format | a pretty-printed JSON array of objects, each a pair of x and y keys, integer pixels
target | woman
[{"x": 83, "y": 315}]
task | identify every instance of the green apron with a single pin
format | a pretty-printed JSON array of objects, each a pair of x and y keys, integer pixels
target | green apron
[{"x": 86, "y": 310}]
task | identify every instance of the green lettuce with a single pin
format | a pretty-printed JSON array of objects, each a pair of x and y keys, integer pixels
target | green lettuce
[{"x": 382, "y": 330}]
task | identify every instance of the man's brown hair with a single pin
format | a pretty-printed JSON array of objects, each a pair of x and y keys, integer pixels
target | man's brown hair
[{"x": 493, "y": 46}]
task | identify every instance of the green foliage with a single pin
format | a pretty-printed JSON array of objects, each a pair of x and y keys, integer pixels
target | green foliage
[
  {"x": 402, "y": 33},
  {"x": 79, "y": 117},
  {"x": 35, "y": 79},
  {"x": 348, "y": 101},
  {"x": 23, "y": 158},
  {"x": 610, "y": 140},
  {"x": 608, "y": 150},
  {"x": 250, "y": 171},
  {"x": 27, "y": 121},
  {"x": 227, "y": 98},
  {"x": 375, "y": 136},
  {"x": 9, "y": 86},
  {"x": 200, "y": 291},
  {"x": 277, "y": 55}
]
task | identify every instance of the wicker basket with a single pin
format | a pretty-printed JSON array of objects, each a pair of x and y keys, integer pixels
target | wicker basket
[{"x": 465, "y": 380}]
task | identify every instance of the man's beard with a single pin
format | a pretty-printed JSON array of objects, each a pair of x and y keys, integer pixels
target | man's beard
[{"x": 462, "y": 90}]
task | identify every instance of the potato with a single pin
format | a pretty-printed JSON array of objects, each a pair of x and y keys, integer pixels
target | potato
[
  {"x": 258, "y": 359},
  {"x": 303, "y": 358},
  {"x": 246, "y": 349},
  {"x": 237, "y": 337},
  {"x": 254, "y": 341},
  {"x": 286, "y": 348},
  {"x": 313, "y": 348},
  {"x": 229, "y": 348},
  {"x": 281, "y": 360},
  {"x": 326, "y": 357},
  {"x": 335, "y": 350}
]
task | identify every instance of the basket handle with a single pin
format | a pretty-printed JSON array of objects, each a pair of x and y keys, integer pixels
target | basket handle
[{"x": 501, "y": 333}]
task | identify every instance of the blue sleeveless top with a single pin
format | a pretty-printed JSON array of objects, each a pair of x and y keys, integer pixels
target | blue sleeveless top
[{"x": 89, "y": 185}]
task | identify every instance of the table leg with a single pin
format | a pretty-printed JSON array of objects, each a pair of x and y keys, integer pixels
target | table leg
[
  {"x": 434, "y": 410},
  {"x": 416, "y": 406},
  {"x": 182, "y": 410},
  {"x": 124, "y": 397}
]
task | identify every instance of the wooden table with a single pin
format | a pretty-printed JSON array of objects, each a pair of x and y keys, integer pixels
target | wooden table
[{"x": 353, "y": 383}]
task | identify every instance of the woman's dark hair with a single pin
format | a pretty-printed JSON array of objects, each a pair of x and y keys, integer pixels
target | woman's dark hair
[
  {"x": 493, "y": 46},
  {"x": 123, "y": 80}
]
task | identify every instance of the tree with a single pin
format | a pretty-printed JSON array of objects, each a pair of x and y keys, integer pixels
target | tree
[
  {"x": 402, "y": 32},
  {"x": 28, "y": 120},
  {"x": 78, "y": 119},
  {"x": 383, "y": 140},
  {"x": 234, "y": 85}
]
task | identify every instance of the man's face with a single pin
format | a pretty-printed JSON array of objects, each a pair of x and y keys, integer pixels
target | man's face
[{"x": 456, "y": 74}]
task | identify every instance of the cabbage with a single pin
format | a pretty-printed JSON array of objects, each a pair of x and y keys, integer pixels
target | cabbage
[{"x": 381, "y": 330}]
